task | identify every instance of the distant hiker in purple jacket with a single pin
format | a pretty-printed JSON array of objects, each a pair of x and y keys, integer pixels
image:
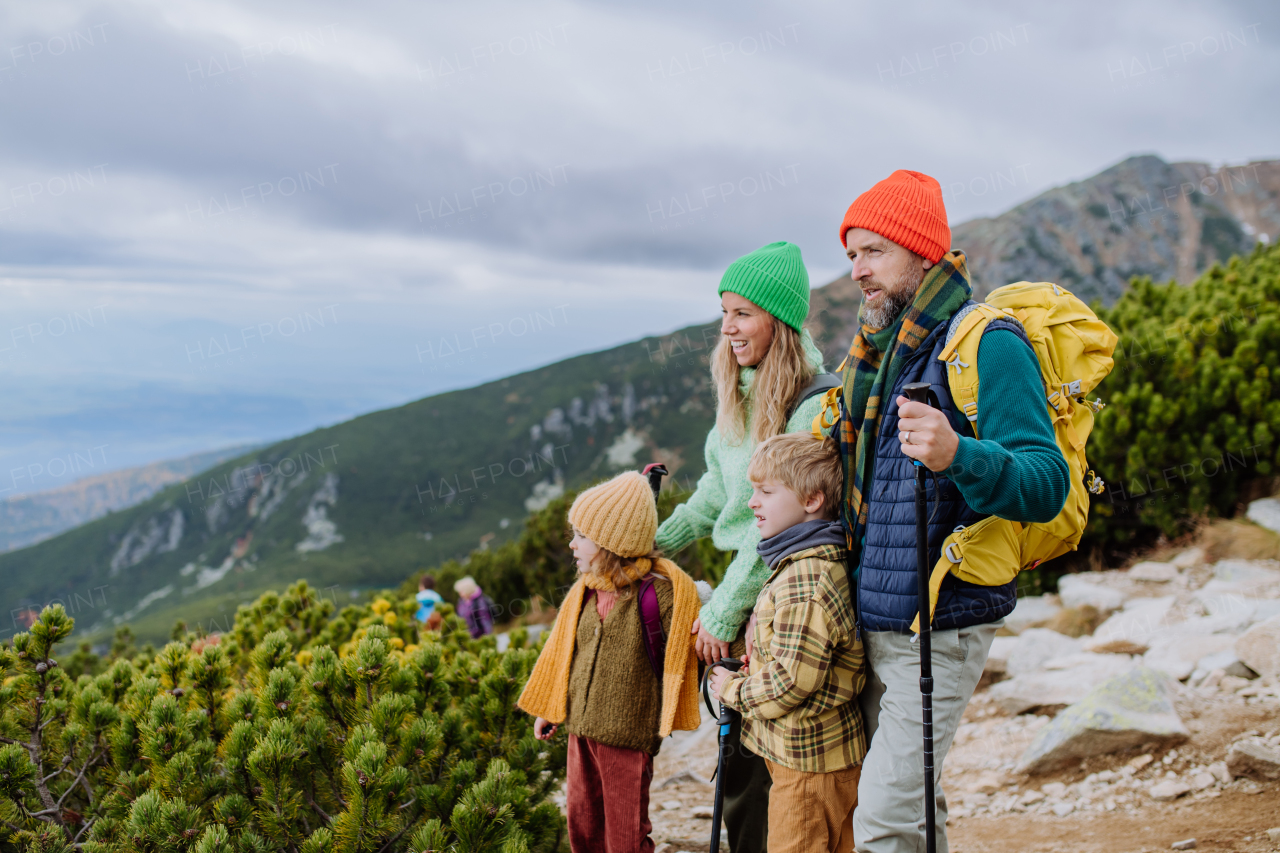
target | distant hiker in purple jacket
[{"x": 474, "y": 607}]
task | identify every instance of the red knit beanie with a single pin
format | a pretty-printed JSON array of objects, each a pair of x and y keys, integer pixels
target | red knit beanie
[{"x": 907, "y": 208}]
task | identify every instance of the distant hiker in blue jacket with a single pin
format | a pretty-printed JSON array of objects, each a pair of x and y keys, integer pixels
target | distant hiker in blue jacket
[
  {"x": 914, "y": 288},
  {"x": 427, "y": 599}
]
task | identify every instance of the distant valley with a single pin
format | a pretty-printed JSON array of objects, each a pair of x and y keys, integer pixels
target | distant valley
[{"x": 35, "y": 516}]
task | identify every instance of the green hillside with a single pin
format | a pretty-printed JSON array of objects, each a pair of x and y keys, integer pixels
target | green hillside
[
  {"x": 1193, "y": 414},
  {"x": 364, "y": 503}
]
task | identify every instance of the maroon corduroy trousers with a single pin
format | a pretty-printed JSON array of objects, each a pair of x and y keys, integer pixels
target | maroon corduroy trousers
[{"x": 608, "y": 798}]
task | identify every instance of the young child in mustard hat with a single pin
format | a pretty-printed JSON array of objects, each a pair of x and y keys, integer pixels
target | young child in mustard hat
[{"x": 595, "y": 674}]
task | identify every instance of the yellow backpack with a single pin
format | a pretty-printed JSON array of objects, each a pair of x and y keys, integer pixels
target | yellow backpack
[{"x": 1074, "y": 349}]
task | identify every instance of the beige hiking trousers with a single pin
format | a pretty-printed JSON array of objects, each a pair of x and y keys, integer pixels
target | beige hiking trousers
[{"x": 890, "y": 813}]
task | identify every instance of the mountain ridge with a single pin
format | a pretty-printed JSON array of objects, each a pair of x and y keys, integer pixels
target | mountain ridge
[{"x": 1141, "y": 217}]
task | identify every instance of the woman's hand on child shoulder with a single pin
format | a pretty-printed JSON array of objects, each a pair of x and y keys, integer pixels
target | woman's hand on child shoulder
[
  {"x": 544, "y": 729},
  {"x": 707, "y": 647}
]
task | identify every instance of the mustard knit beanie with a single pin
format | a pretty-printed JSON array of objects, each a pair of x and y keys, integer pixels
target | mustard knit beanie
[{"x": 620, "y": 515}]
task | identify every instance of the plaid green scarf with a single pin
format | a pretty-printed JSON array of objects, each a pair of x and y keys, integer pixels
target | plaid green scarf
[{"x": 867, "y": 373}]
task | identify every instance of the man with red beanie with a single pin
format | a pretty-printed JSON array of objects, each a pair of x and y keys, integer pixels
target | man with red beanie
[{"x": 915, "y": 291}]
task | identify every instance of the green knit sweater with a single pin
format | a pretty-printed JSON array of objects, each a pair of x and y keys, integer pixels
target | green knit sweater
[{"x": 718, "y": 508}]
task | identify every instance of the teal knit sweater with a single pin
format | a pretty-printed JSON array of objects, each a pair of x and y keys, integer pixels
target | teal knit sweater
[
  {"x": 718, "y": 508},
  {"x": 1016, "y": 471}
]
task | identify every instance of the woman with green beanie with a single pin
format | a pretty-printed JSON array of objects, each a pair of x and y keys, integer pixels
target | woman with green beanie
[{"x": 763, "y": 370}]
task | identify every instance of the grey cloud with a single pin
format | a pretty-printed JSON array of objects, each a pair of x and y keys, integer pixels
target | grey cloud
[
  {"x": 614, "y": 156},
  {"x": 459, "y": 139}
]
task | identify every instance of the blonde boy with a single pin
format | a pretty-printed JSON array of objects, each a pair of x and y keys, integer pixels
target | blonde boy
[{"x": 798, "y": 694}]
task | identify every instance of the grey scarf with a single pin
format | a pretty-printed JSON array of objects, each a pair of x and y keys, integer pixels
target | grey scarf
[{"x": 807, "y": 534}]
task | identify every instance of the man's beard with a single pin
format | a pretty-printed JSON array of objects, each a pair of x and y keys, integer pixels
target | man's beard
[{"x": 893, "y": 298}]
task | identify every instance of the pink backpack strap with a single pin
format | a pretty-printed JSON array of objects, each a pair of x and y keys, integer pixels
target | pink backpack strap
[{"x": 655, "y": 639}]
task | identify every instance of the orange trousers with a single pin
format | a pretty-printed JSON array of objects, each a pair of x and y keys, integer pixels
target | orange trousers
[{"x": 811, "y": 812}]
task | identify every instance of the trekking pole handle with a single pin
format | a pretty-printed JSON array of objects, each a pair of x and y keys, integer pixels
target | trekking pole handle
[
  {"x": 731, "y": 664},
  {"x": 917, "y": 392},
  {"x": 654, "y": 472}
]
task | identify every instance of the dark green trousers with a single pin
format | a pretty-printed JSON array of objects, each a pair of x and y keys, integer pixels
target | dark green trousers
[
  {"x": 746, "y": 787},
  {"x": 746, "y": 783}
]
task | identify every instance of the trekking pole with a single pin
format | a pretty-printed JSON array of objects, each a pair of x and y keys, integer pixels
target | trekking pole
[
  {"x": 918, "y": 392},
  {"x": 655, "y": 471},
  {"x": 726, "y": 718}
]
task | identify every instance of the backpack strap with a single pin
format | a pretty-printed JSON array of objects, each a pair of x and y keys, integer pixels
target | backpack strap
[
  {"x": 655, "y": 639},
  {"x": 820, "y": 384},
  {"x": 961, "y": 352}
]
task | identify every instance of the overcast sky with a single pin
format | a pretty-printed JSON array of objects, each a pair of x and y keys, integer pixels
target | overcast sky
[{"x": 227, "y": 221}]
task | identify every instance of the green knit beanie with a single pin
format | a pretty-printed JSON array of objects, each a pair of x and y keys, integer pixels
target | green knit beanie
[{"x": 774, "y": 278}]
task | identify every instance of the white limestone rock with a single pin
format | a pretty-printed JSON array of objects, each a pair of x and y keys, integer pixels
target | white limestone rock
[
  {"x": 1032, "y": 610},
  {"x": 1265, "y": 513},
  {"x": 1255, "y": 759},
  {"x": 1128, "y": 710},
  {"x": 1246, "y": 571},
  {"x": 1226, "y": 662},
  {"x": 1202, "y": 780},
  {"x": 1131, "y": 630},
  {"x": 1034, "y": 646},
  {"x": 1078, "y": 590},
  {"x": 1153, "y": 572},
  {"x": 997, "y": 664},
  {"x": 1259, "y": 647},
  {"x": 1235, "y": 604},
  {"x": 1189, "y": 558},
  {"x": 1062, "y": 681},
  {"x": 1178, "y": 656},
  {"x": 1168, "y": 789}
]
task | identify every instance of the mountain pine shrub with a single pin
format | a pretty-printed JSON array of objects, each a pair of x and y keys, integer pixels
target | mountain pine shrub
[
  {"x": 1193, "y": 404},
  {"x": 302, "y": 730}
]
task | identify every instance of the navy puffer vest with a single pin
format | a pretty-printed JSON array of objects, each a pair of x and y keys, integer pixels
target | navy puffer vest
[{"x": 888, "y": 593}]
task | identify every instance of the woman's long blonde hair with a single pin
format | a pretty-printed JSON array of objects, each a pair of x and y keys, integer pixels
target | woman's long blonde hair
[{"x": 780, "y": 377}]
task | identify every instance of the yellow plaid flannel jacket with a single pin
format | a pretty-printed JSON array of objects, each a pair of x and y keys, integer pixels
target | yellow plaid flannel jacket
[{"x": 799, "y": 698}]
